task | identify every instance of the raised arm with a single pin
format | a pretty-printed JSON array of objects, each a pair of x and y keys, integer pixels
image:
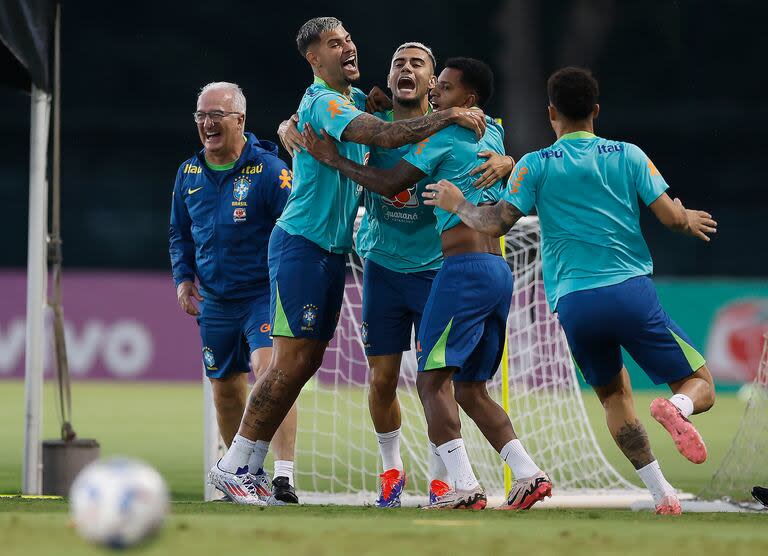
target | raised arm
[
  {"x": 290, "y": 136},
  {"x": 370, "y": 130},
  {"x": 384, "y": 182},
  {"x": 676, "y": 217},
  {"x": 493, "y": 220}
]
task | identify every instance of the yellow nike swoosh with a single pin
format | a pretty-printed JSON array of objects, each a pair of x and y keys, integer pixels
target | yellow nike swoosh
[{"x": 191, "y": 191}]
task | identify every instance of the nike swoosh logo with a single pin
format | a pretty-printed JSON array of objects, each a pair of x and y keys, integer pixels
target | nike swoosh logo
[
  {"x": 451, "y": 451},
  {"x": 191, "y": 191}
]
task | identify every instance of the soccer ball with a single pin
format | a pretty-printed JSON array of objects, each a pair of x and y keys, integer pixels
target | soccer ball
[{"x": 118, "y": 502}]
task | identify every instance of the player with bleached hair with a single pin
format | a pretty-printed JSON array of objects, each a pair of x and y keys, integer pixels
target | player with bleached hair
[
  {"x": 308, "y": 244},
  {"x": 596, "y": 268},
  {"x": 463, "y": 329},
  {"x": 400, "y": 247}
]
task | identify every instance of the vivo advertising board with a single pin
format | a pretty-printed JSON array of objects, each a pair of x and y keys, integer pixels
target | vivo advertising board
[{"x": 127, "y": 326}]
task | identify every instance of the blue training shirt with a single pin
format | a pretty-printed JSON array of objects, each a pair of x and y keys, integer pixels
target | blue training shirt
[
  {"x": 451, "y": 154},
  {"x": 398, "y": 233},
  {"x": 221, "y": 220},
  {"x": 585, "y": 190},
  {"x": 323, "y": 202}
]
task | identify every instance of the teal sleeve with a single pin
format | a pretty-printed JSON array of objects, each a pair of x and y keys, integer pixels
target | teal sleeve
[
  {"x": 428, "y": 154},
  {"x": 524, "y": 183},
  {"x": 649, "y": 183},
  {"x": 332, "y": 112}
]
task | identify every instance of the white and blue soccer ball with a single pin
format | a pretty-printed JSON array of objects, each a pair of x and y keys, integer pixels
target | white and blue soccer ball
[{"x": 118, "y": 502}]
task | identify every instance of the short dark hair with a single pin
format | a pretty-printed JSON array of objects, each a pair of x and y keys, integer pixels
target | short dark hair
[
  {"x": 573, "y": 91},
  {"x": 475, "y": 74},
  {"x": 310, "y": 32}
]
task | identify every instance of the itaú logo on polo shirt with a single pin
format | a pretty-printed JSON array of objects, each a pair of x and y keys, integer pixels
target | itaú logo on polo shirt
[{"x": 404, "y": 199}]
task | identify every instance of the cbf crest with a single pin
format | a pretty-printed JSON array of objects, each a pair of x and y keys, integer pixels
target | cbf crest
[
  {"x": 308, "y": 317},
  {"x": 240, "y": 190},
  {"x": 210, "y": 361}
]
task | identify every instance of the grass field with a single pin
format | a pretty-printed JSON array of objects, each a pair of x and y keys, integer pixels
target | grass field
[{"x": 162, "y": 424}]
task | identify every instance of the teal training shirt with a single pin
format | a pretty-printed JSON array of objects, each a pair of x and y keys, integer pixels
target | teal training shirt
[
  {"x": 451, "y": 154},
  {"x": 323, "y": 202},
  {"x": 585, "y": 190},
  {"x": 493, "y": 194},
  {"x": 398, "y": 233}
]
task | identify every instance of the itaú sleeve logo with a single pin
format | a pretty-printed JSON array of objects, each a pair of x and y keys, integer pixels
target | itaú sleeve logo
[{"x": 404, "y": 199}]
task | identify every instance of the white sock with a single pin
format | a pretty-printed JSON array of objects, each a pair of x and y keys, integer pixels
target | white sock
[
  {"x": 258, "y": 454},
  {"x": 389, "y": 448},
  {"x": 521, "y": 464},
  {"x": 284, "y": 468},
  {"x": 238, "y": 455},
  {"x": 683, "y": 403},
  {"x": 437, "y": 469},
  {"x": 654, "y": 480},
  {"x": 456, "y": 460}
]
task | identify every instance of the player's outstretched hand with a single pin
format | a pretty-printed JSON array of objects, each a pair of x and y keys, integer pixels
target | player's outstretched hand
[
  {"x": 377, "y": 101},
  {"x": 443, "y": 194},
  {"x": 471, "y": 118},
  {"x": 700, "y": 223},
  {"x": 322, "y": 148},
  {"x": 185, "y": 292},
  {"x": 497, "y": 167},
  {"x": 290, "y": 136}
]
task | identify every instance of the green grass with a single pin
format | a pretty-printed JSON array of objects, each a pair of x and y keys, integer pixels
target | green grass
[
  {"x": 195, "y": 528},
  {"x": 162, "y": 424}
]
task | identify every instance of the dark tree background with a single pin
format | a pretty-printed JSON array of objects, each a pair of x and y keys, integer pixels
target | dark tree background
[{"x": 684, "y": 80}]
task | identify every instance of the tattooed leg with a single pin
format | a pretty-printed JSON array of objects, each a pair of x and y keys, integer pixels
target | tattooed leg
[
  {"x": 294, "y": 362},
  {"x": 626, "y": 430},
  {"x": 633, "y": 441}
]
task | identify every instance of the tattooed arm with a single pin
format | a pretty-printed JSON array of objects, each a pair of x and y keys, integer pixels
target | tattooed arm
[
  {"x": 387, "y": 182},
  {"x": 493, "y": 220},
  {"x": 370, "y": 130}
]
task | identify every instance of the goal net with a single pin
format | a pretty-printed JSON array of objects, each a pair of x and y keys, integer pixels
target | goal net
[
  {"x": 744, "y": 466},
  {"x": 336, "y": 450}
]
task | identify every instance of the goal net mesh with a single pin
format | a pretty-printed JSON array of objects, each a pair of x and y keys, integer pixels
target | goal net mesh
[
  {"x": 337, "y": 453},
  {"x": 744, "y": 466}
]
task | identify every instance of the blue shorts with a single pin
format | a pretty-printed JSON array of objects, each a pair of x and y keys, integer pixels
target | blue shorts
[
  {"x": 599, "y": 322},
  {"x": 231, "y": 330},
  {"x": 465, "y": 319},
  {"x": 393, "y": 303},
  {"x": 307, "y": 284}
]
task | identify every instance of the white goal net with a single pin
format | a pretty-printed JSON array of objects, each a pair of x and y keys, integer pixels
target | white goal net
[
  {"x": 744, "y": 466},
  {"x": 337, "y": 455}
]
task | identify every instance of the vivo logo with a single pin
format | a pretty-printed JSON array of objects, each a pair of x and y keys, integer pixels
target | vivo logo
[{"x": 124, "y": 347}]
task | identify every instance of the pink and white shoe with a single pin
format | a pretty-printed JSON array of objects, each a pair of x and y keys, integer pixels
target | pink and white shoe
[
  {"x": 686, "y": 437},
  {"x": 526, "y": 492},
  {"x": 669, "y": 505}
]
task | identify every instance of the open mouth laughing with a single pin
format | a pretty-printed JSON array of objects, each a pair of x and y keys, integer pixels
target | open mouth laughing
[
  {"x": 350, "y": 63},
  {"x": 406, "y": 84}
]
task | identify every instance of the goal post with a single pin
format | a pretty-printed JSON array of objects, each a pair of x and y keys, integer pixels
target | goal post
[{"x": 337, "y": 457}]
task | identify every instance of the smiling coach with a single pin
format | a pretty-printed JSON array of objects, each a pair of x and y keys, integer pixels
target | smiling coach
[{"x": 226, "y": 200}]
